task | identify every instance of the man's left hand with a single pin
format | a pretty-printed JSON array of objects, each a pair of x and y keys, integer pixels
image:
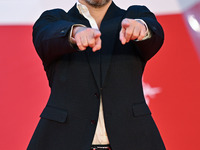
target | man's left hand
[{"x": 132, "y": 30}]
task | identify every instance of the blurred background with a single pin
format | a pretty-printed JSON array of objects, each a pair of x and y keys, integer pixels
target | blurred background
[{"x": 171, "y": 79}]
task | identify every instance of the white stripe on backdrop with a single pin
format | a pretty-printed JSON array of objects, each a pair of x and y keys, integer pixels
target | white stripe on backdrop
[{"x": 27, "y": 11}]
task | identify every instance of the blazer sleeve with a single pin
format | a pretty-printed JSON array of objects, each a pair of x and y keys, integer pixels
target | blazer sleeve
[
  {"x": 149, "y": 47},
  {"x": 50, "y": 36}
]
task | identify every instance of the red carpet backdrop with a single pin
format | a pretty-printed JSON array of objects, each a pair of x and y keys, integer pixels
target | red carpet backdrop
[{"x": 171, "y": 79}]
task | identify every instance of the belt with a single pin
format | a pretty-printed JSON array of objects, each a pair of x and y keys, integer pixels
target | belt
[{"x": 100, "y": 147}]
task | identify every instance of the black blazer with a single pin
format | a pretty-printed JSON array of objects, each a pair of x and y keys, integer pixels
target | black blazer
[{"x": 78, "y": 78}]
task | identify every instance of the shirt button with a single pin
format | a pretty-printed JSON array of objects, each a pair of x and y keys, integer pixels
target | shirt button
[{"x": 93, "y": 122}]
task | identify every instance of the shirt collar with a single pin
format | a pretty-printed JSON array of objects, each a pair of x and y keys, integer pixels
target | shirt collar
[{"x": 81, "y": 8}]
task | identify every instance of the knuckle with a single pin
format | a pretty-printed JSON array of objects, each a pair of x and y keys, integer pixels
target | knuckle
[
  {"x": 80, "y": 47},
  {"x": 140, "y": 37},
  {"x": 135, "y": 34},
  {"x": 91, "y": 45},
  {"x": 85, "y": 44},
  {"x": 79, "y": 44},
  {"x": 92, "y": 42},
  {"x": 133, "y": 38},
  {"x": 143, "y": 34},
  {"x": 128, "y": 33}
]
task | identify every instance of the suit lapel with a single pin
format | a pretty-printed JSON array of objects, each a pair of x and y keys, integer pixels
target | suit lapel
[
  {"x": 75, "y": 17},
  {"x": 93, "y": 57},
  {"x": 95, "y": 63},
  {"x": 110, "y": 28}
]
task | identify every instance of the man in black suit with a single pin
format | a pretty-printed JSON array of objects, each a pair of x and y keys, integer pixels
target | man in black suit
[{"x": 94, "y": 57}]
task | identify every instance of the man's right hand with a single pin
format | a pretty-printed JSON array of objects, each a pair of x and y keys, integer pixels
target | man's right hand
[{"x": 87, "y": 37}]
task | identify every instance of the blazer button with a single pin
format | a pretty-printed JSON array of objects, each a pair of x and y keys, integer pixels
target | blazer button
[
  {"x": 154, "y": 28},
  {"x": 93, "y": 122},
  {"x": 62, "y": 32}
]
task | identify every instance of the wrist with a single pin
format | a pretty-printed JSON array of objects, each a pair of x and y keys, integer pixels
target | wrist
[
  {"x": 73, "y": 33},
  {"x": 75, "y": 30}
]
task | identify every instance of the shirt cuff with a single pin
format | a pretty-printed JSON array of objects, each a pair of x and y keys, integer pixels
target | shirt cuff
[{"x": 148, "y": 35}]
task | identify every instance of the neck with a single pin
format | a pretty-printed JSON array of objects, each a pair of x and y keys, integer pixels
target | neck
[{"x": 97, "y": 13}]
